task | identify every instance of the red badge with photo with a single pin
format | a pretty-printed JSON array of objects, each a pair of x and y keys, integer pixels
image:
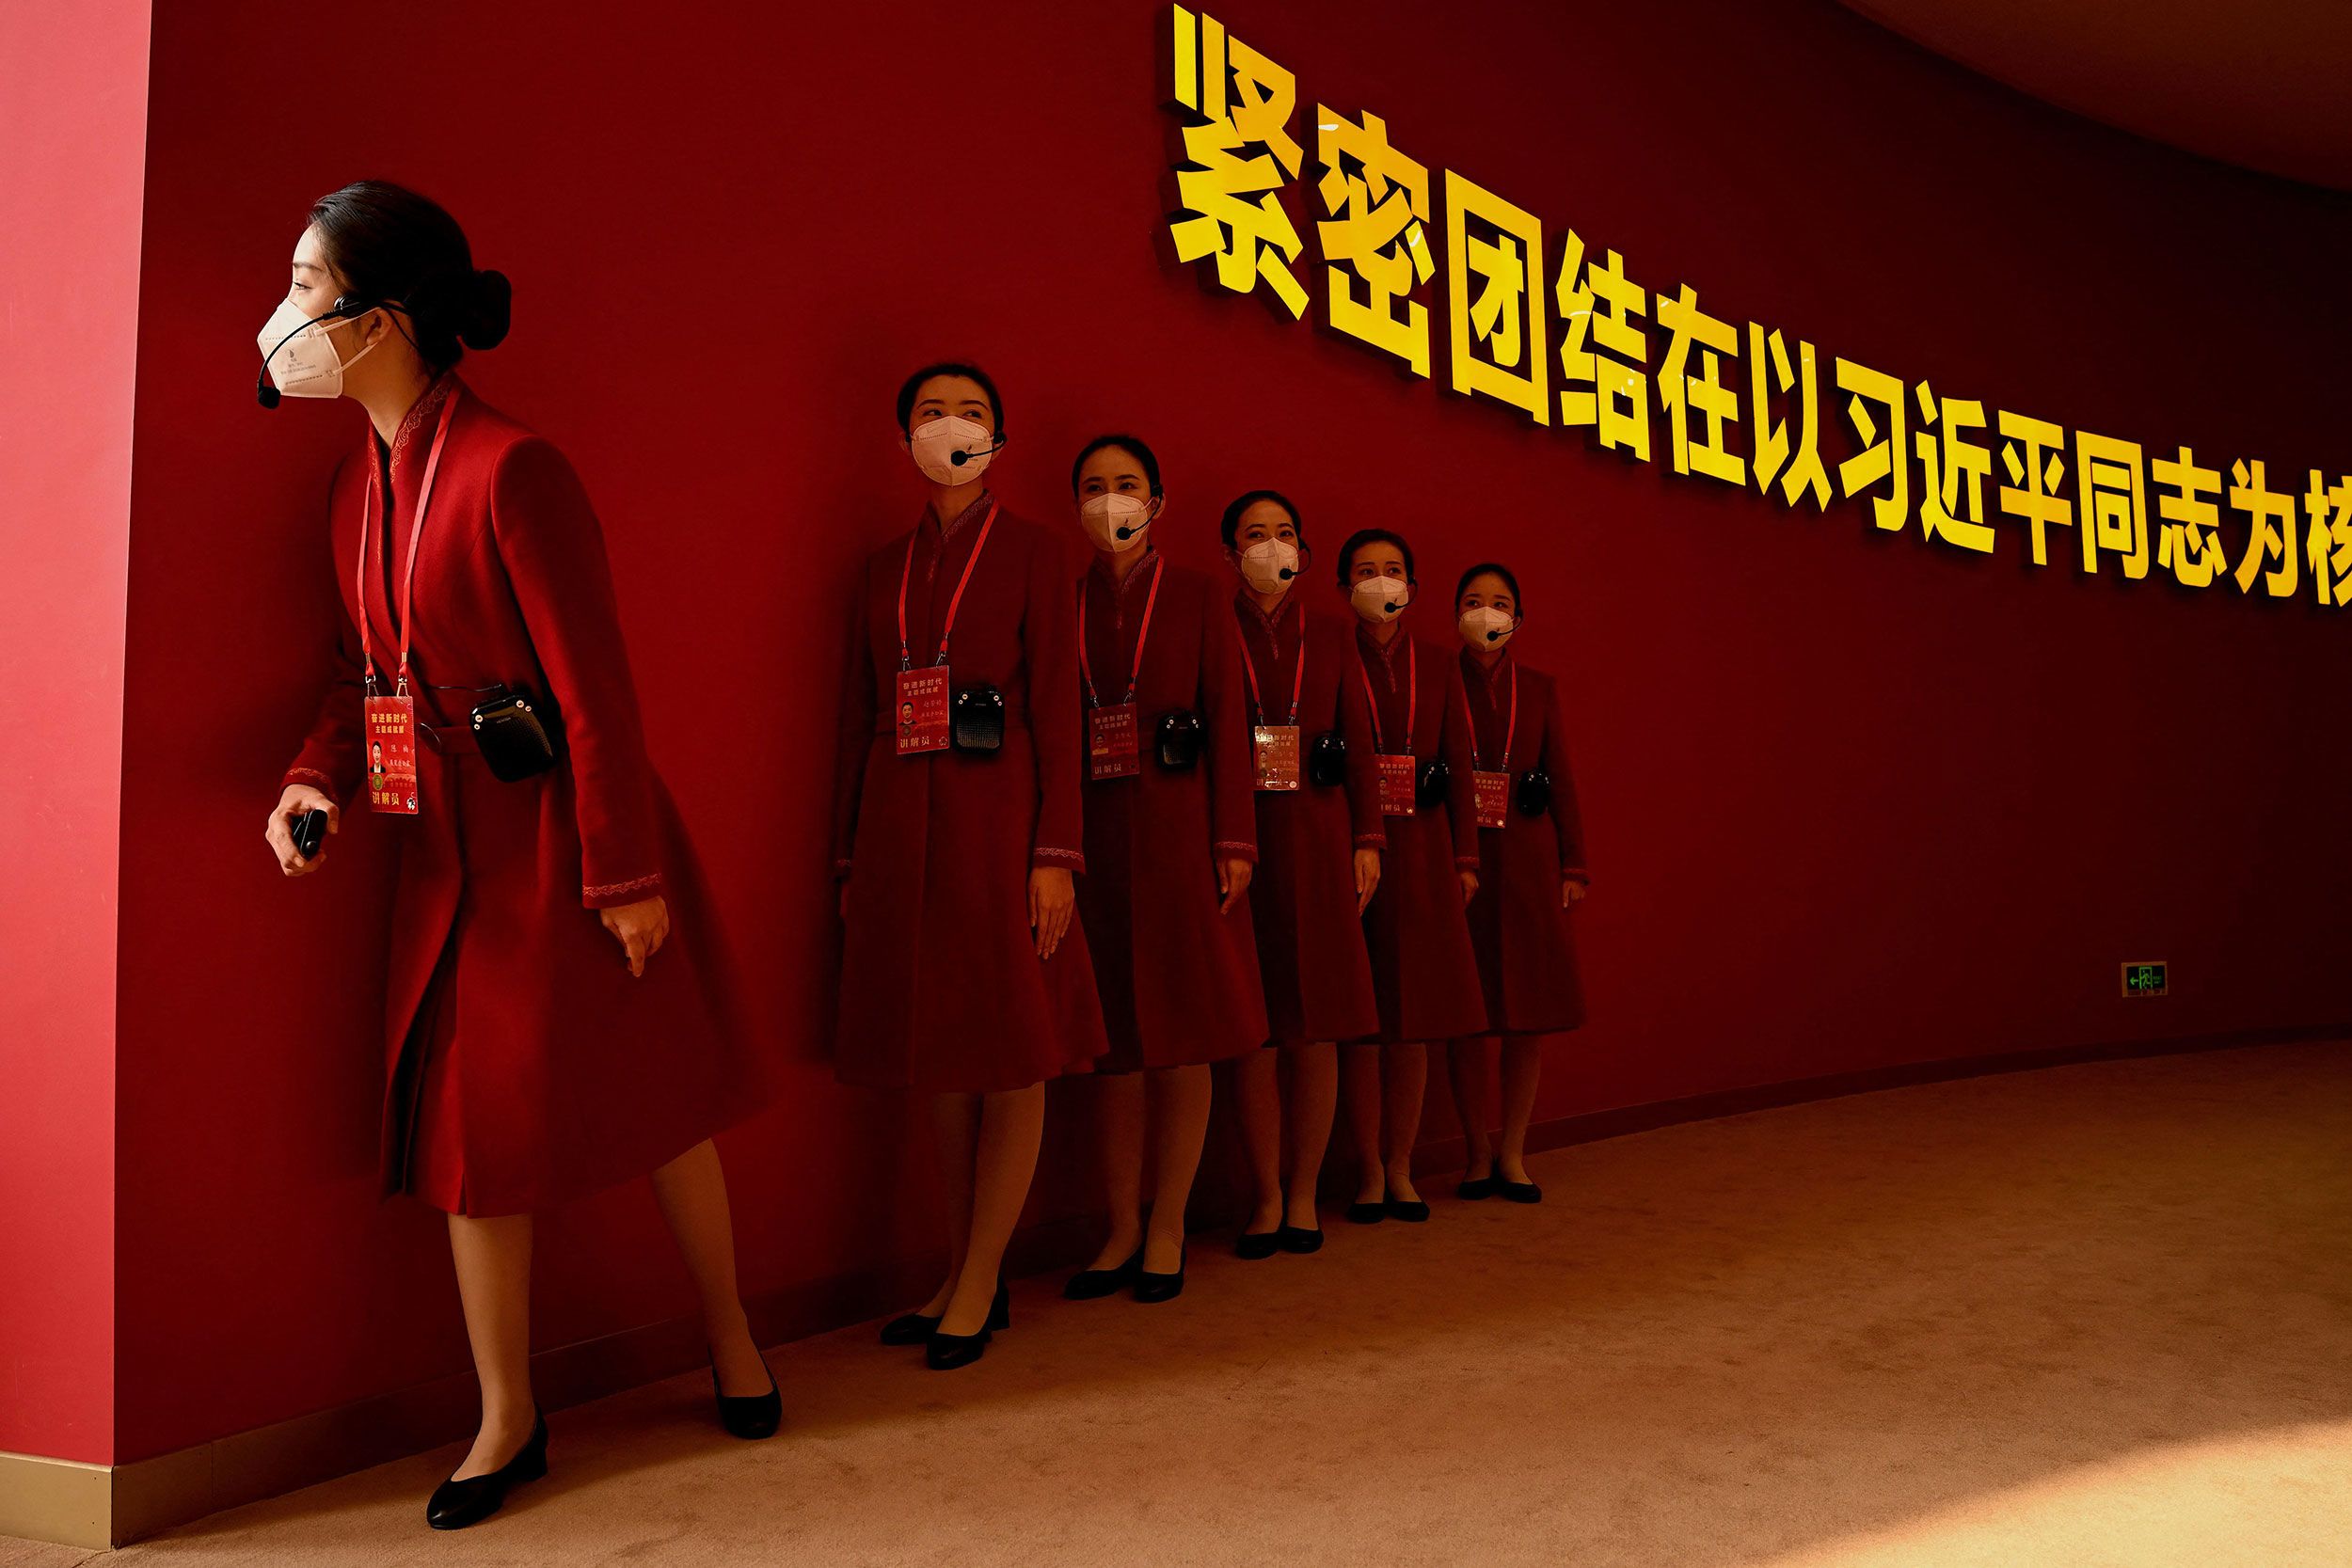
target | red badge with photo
[
  {"x": 1111, "y": 748},
  {"x": 1396, "y": 784},
  {"x": 391, "y": 723},
  {"x": 1492, "y": 792},
  {"x": 921, "y": 708},
  {"x": 1274, "y": 750}
]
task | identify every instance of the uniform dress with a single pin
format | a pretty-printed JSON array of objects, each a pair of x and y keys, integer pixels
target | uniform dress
[
  {"x": 1178, "y": 980},
  {"x": 942, "y": 989},
  {"x": 1423, "y": 974},
  {"x": 1310, "y": 945},
  {"x": 524, "y": 1064},
  {"x": 1526, "y": 953}
]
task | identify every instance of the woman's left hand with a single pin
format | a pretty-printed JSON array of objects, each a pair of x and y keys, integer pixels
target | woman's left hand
[
  {"x": 641, "y": 929},
  {"x": 1470, "y": 885},
  {"x": 1232, "y": 879},
  {"x": 1571, "y": 891}
]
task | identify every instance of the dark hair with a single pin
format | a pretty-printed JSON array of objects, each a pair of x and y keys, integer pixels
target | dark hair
[
  {"x": 1498, "y": 569},
  {"x": 1124, "y": 443},
  {"x": 1363, "y": 536},
  {"x": 913, "y": 383},
  {"x": 1230, "y": 526},
  {"x": 393, "y": 247}
]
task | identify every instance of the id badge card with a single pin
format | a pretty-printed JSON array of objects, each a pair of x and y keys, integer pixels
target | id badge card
[
  {"x": 1492, "y": 793},
  {"x": 391, "y": 730},
  {"x": 921, "y": 710},
  {"x": 1112, "y": 752},
  {"x": 1396, "y": 784},
  {"x": 1274, "y": 754}
]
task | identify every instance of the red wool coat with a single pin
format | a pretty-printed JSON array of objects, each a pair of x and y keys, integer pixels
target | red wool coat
[
  {"x": 1526, "y": 954},
  {"x": 524, "y": 1065},
  {"x": 1422, "y": 970},
  {"x": 942, "y": 989},
  {"x": 1311, "y": 945},
  {"x": 1179, "y": 981}
]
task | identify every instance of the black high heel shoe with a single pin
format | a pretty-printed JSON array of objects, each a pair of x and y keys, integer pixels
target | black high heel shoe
[
  {"x": 750, "y": 1416},
  {"x": 1261, "y": 1244},
  {"x": 1299, "y": 1238},
  {"x": 1372, "y": 1212},
  {"x": 456, "y": 1503},
  {"x": 1094, "y": 1284},
  {"x": 1477, "y": 1187},
  {"x": 916, "y": 1328},
  {"x": 1411, "y": 1211},
  {"x": 1152, "y": 1287},
  {"x": 946, "y": 1351},
  {"x": 1519, "y": 1192}
]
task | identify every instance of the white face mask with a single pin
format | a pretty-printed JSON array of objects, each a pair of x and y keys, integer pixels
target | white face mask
[
  {"x": 1112, "y": 521},
  {"x": 1485, "y": 626},
  {"x": 951, "y": 450},
  {"x": 308, "y": 365},
  {"x": 1379, "y": 600},
  {"x": 1269, "y": 564}
]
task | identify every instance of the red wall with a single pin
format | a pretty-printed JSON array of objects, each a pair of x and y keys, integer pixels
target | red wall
[
  {"x": 1851, "y": 799},
  {"x": 72, "y": 136}
]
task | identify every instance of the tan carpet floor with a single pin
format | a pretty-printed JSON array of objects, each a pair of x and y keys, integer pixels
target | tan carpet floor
[{"x": 2096, "y": 1315}]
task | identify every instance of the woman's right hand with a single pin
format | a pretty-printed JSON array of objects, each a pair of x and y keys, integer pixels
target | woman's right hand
[
  {"x": 1367, "y": 878},
  {"x": 298, "y": 802}
]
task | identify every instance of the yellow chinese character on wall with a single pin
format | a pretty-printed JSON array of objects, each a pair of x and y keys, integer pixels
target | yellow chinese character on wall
[
  {"x": 2188, "y": 531},
  {"x": 1604, "y": 355},
  {"x": 2269, "y": 532},
  {"x": 1879, "y": 461},
  {"x": 1686, "y": 392},
  {"x": 1237, "y": 160},
  {"x": 1373, "y": 240},
  {"x": 1494, "y": 263},
  {"x": 2114, "y": 505},
  {"x": 2033, "y": 451},
  {"x": 2327, "y": 539},
  {"x": 1952, "y": 471},
  {"x": 1790, "y": 450}
]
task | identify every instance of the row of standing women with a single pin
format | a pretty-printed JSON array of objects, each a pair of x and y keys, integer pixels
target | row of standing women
[{"x": 1294, "y": 844}]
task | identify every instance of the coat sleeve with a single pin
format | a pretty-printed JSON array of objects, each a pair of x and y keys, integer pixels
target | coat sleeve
[
  {"x": 1566, "y": 820},
  {"x": 1049, "y": 642},
  {"x": 333, "y": 755},
  {"x": 854, "y": 737},
  {"x": 1232, "y": 779},
  {"x": 1461, "y": 760},
  {"x": 1363, "y": 766},
  {"x": 553, "y": 550}
]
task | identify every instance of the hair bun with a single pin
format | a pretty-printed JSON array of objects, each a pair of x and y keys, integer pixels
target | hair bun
[{"x": 485, "y": 310}]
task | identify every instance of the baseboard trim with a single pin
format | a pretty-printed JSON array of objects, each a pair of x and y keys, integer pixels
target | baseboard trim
[
  {"x": 90, "y": 1506},
  {"x": 55, "y": 1499}
]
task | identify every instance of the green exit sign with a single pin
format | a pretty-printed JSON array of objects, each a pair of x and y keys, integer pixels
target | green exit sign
[{"x": 2147, "y": 979}]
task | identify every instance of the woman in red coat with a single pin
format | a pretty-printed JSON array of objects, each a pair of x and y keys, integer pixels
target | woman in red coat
[
  {"x": 956, "y": 837},
  {"x": 1530, "y": 848},
  {"x": 1171, "y": 843},
  {"x": 541, "y": 1040},
  {"x": 1422, "y": 970},
  {"x": 1319, "y": 841}
]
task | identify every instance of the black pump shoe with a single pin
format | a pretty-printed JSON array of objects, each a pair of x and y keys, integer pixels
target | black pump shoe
[
  {"x": 1152, "y": 1287},
  {"x": 944, "y": 1353},
  {"x": 1477, "y": 1187},
  {"x": 457, "y": 1503},
  {"x": 1094, "y": 1284},
  {"x": 1411, "y": 1211},
  {"x": 916, "y": 1328},
  {"x": 1367, "y": 1214},
  {"x": 1261, "y": 1244},
  {"x": 750, "y": 1416},
  {"x": 1519, "y": 1192},
  {"x": 1299, "y": 1238}
]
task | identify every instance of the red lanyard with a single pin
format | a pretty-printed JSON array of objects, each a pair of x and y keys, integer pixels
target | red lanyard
[
  {"x": 907, "y": 572},
  {"x": 1509, "y": 728},
  {"x": 1143, "y": 634},
  {"x": 416, "y": 531},
  {"x": 1298, "y": 682},
  {"x": 1412, "y": 696}
]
